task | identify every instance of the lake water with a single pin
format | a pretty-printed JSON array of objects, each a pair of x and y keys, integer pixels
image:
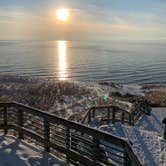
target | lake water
[{"x": 122, "y": 62}]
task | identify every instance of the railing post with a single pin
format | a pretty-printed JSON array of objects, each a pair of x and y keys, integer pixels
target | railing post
[
  {"x": 122, "y": 118},
  {"x": 46, "y": 134},
  {"x": 68, "y": 142},
  {"x": 131, "y": 119},
  {"x": 113, "y": 115},
  {"x": 93, "y": 113},
  {"x": 89, "y": 117},
  {"x": 5, "y": 120},
  {"x": 126, "y": 162},
  {"x": 130, "y": 158},
  {"x": 108, "y": 115},
  {"x": 96, "y": 149},
  {"x": 20, "y": 123}
]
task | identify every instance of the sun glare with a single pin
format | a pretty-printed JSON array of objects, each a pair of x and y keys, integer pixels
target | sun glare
[
  {"x": 62, "y": 54},
  {"x": 62, "y": 14}
]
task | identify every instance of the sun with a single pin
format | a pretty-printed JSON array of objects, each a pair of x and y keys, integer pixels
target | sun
[{"x": 62, "y": 14}]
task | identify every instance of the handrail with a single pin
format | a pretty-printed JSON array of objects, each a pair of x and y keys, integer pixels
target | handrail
[
  {"x": 81, "y": 144},
  {"x": 109, "y": 115}
]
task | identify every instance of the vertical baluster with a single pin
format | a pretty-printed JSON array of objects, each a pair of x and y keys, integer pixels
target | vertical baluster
[
  {"x": 164, "y": 135},
  {"x": 113, "y": 115},
  {"x": 89, "y": 117},
  {"x": 125, "y": 162},
  {"x": 93, "y": 113},
  {"x": 96, "y": 150},
  {"x": 122, "y": 118},
  {"x": 68, "y": 142},
  {"x": 131, "y": 119},
  {"x": 20, "y": 123},
  {"x": 5, "y": 120},
  {"x": 46, "y": 134},
  {"x": 108, "y": 115}
]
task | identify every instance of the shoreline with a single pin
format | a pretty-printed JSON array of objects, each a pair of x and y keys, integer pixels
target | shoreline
[{"x": 71, "y": 99}]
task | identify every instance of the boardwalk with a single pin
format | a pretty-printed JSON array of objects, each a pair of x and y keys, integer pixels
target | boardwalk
[
  {"x": 145, "y": 136},
  {"x": 14, "y": 152}
]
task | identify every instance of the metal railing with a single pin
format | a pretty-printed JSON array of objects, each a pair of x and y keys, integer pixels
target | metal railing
[
  {"x": 73, "y": 142},
  {"x": 107, "y": 114}
]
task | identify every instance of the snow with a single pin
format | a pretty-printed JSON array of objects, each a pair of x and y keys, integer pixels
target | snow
[
  {"x": 132, "y": 90},
  {"x": 66, "y": 98},
  {"x": 146, "y": 137},
  {"x": 14, "y": 152},
  {"x": 153, "y": 122},
  {"x": 125, "y": 89}
]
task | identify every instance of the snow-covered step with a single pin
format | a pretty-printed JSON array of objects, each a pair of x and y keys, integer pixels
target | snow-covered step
[
  {"x": 15, "y": 152},
  {"x": 148, "y": 145},
  {"x": 145, "y": 137},
  {"x": 153, "y": 122}
]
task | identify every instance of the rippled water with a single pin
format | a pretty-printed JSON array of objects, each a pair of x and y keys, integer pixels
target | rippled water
[{"x": 102, "y": 61}]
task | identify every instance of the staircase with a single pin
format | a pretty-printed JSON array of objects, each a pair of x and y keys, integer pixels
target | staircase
[
  {"x": 145, "y": 136},
  {"x": 75, "y": 143},
  {"x": 109, "y": 113}
]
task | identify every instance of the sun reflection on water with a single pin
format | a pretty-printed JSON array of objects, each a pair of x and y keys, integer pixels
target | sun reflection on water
[{"x": 62, "y": 63}]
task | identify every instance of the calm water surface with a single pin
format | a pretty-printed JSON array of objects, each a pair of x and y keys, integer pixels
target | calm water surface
[{"x": 100, "y": 61}]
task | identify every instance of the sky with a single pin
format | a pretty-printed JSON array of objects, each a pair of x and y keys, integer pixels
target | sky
[{"x": 89, "y": 20}]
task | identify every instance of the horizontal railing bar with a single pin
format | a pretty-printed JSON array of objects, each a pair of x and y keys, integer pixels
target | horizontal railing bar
[
  {"x": 54, "y": 132},
  {"x": 115, "y": 160},
  {"x": 82, "y": 144},
  {"x": 111, "y": 107},
  {"x": 114, "y": 154},
  {"x": 89, "y": 149},
  {"x": 113, "y": 148},
  {"x": 58, "y": 136},
  {"x": 82, "y": 150},
  {"x": 108, "y": 106},
  {"x": 58, "y": 140},
  {"x": 63, "y": 130},
  {"x": 33, "y": 124},
  {"x": 82, "y": 139},
  {"x": 58, "y": 143}
]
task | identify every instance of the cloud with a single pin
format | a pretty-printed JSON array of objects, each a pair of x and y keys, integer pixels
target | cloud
[{"x": 89, "y": 19}]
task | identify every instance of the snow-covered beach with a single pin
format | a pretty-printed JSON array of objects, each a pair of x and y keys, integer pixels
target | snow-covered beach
[
  {"x": 72, "y": 99},
  {"x": 14, "y": 152}
]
